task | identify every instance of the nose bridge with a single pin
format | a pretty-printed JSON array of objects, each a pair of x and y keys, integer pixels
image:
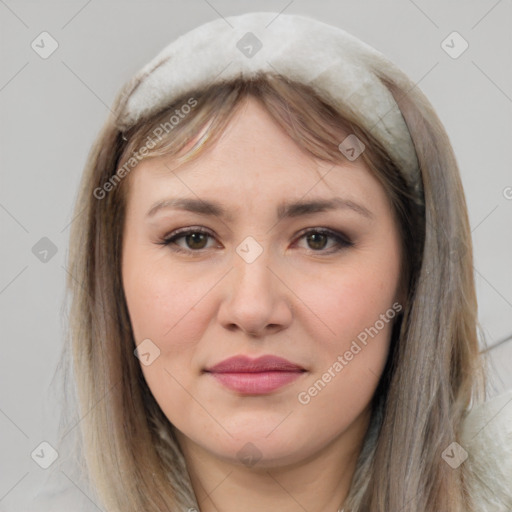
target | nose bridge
[{"x": 252, "y": 274}]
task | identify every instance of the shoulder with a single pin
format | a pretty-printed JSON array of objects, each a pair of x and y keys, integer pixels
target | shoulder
[{"x": 486, "y": 437}]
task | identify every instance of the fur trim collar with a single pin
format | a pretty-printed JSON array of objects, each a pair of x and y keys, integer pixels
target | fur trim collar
[{"x": 487, "y": 440}]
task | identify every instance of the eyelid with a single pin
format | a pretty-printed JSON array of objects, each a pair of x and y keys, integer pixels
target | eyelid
[
  {"x": 334, "y": 233},
  {"x": 187, "y": 230}
]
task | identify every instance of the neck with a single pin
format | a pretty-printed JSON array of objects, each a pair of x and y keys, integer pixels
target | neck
[{"x": 319, "y": 484}]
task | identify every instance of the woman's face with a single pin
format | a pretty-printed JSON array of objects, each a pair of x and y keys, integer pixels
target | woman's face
[{"x": 258, "y": 274}]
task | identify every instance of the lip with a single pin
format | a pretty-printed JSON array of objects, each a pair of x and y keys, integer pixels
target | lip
[{"x": 255, "y": 376}]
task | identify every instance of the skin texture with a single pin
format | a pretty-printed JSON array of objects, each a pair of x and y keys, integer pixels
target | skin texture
[{"x": 300, "y": 299}]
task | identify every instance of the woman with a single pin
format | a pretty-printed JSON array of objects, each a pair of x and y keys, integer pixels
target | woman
[{"x": 273, "y": 303}]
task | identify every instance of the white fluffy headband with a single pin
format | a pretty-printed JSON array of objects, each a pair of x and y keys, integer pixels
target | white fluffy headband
[{"x": 337, "y": 65}]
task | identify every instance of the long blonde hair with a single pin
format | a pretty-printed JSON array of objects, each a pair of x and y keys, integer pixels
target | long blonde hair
[{"x": 434, "y": 370}]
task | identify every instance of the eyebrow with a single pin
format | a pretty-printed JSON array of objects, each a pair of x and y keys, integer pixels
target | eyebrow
[{"x": 284, "y": 209}]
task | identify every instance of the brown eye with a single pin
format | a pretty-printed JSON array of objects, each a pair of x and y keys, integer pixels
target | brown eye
[
  {"x": 196, "y": 240},
  {"x": 317, "y": 241}
]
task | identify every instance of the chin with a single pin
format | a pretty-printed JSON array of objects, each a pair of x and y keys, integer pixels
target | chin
[{"x": 265, "y": 446}]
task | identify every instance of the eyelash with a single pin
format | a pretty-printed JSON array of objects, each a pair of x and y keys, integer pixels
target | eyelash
[{"x": 341, "y": 241}]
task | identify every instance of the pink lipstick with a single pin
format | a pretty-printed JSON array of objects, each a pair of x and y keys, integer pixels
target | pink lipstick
[{"x": 255, "y": 376}]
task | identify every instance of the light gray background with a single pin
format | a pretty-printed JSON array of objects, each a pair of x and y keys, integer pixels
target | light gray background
[{"x": 51, "y": 110}]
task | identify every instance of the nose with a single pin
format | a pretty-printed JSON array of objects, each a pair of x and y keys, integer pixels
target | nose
[{"x": 256, "y": 299}]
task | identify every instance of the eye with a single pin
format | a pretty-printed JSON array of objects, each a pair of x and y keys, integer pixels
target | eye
[
  {"x": 195, "y": 239},
  {"x": 318, "y": 238}
]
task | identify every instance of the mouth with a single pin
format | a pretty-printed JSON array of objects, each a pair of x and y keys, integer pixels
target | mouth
[{"x": 255, "y": 376}]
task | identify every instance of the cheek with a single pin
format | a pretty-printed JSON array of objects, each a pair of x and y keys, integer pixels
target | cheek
[
  {"x": 349, "y": 363},
  {"x": 347, "y": 301},
  {"x": 165, "y": 307},
  {"x": 357, "y": 306},
  {"x": 163, "y": 302}
]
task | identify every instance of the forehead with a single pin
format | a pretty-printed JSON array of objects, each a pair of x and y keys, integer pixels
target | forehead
[{"x": 253, "y": 160}]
